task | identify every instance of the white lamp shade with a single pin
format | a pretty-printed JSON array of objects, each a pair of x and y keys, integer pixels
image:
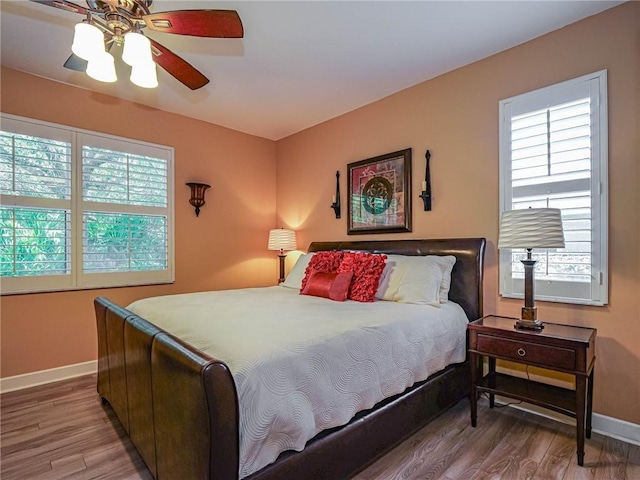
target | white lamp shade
[
  {"x": 137, "y": 49},
  {"x": 282, "y": 239},
  {"x": 88, "y": 41},
  {"x": 531, "y": 228},
  {"x": 144, "y": 75},
  {"x": 102, "y": 68}
]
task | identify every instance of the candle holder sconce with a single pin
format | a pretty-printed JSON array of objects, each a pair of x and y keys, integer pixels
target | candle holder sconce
[
  {"x": 197, "y": 195},
  {"x": 426, "y": 185},
  {"x": 336, "y": 198}
]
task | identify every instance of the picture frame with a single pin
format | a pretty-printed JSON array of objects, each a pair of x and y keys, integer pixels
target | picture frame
[{"x": 379, "y": 194}]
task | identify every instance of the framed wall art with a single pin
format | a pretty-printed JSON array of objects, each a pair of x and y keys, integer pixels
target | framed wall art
[{"x": 379, "y": 193}]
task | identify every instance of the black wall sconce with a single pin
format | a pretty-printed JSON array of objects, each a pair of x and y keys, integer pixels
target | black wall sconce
[
  {"x": 336, "y": 198},
  {"x": 426, "y": 185},
  {"x": 197, "y": 195}
]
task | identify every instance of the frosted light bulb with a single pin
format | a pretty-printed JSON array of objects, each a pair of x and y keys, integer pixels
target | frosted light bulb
[
  {"x": 102, "y": 68},
  {"x": 144, "y": 75},
  {"x": 88, "y": 41}
]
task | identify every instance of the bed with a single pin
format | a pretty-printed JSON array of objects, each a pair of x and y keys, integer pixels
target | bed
[{"x": 179, "y": 405}]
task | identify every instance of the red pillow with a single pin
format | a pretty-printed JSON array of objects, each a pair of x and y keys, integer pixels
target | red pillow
[
  {"x": 334, "y": 286},
  {"x": 326, "y": 262},
  {"x": 367, "y": 269}
]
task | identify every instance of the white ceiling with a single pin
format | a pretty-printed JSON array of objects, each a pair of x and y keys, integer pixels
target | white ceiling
[{"x": 300, "y": 62}]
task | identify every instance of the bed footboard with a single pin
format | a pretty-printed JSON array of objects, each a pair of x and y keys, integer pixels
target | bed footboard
[
  {"x": 138, "y": 341},
  {"x": 178, "y": 405},
  {"x": 194, "y": 404}
]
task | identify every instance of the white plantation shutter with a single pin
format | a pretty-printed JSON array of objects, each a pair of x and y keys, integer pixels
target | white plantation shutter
[
  {"x": 33, "y": 166},
  {"x": 82, "y": 210},
  {"x": 35, "y": 215},
  {"x": 125, "y": 211},
  {"x": 125, "y": 217},
  {"x": 121, "y": 177},
  {"x": 553, "y": 154}
]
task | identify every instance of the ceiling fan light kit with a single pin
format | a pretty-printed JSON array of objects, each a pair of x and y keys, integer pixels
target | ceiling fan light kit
[
  {"x": 121, "y": 22},
  {"x": 137, "y": 54},
  {"x": 88, "y": 44}
]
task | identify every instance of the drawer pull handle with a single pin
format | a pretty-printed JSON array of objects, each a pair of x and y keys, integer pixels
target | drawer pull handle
[{"x": 521, "y": 352}]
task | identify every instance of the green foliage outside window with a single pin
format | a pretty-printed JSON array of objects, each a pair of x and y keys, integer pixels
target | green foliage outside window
[{"x": 34, "y": 242}]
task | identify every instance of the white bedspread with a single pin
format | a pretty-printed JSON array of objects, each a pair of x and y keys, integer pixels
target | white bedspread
[{"x": 304, "y": 364}]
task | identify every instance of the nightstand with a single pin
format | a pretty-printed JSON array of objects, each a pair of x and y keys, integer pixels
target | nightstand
[{"x": 562, "y": 348}]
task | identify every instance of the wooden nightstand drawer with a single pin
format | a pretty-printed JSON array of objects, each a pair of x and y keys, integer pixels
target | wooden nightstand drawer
[{"x": 543, "y": 355}]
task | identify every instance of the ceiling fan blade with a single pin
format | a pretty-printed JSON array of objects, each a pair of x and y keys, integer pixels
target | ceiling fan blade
[
  {"x": 74, "y": 62},
  {"x": 197, "y": 23},
  {"x": 181, "y": 70},
  {"x": 63, "y": 5}
]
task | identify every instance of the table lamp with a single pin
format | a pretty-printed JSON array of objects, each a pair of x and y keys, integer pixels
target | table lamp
[
  {"x": 530, "y": 228},
  {"x": 282, "y": 239}
]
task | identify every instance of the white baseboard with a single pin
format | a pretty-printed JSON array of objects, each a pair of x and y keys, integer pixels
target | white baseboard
[
  {"x": 18, "y": 382},
  {"x": 608, "y": 426},
  {"x": 602, "y": 424}
]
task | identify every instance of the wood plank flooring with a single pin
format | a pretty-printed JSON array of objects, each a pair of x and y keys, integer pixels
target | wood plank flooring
[{"x": 62, "y": 431}]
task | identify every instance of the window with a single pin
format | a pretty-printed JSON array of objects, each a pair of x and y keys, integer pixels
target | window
[
  {"x": 82, "y": 210},
  {"x": 553, "y": 153}
]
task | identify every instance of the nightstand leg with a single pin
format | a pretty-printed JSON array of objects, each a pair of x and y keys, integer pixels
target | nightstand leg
[
  {"x": 589, "y": 402},
  {"x": 492, "y": 381},
  {"x": 581, "y": 394},
  {"x": 473, "y": 395}
]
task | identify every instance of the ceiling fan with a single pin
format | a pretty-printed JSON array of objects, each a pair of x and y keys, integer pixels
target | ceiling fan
[{"x": 116, "y": 18}]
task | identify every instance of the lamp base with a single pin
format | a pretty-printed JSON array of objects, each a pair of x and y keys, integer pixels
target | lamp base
[
  {"x": 529, "y": 314},
  {"x": 529, "y": 325},
  {"x": 281, "y": 256}
]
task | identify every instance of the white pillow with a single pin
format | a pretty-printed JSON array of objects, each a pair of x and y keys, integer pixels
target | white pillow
[
  {"x": 294, "y": 279},
  {"x": 446, "y": 264},
  {"x": 411, "y": 279}
]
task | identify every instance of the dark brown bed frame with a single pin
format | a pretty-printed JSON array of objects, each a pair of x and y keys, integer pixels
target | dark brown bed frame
[{"x": 179, "y": 405}]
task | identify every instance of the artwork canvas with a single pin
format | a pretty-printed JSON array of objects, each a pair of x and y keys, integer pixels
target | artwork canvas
[{"x": 379, "y": 192}]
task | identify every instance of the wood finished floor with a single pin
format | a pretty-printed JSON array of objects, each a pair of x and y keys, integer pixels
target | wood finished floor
[{"x": 62, "y": 431}]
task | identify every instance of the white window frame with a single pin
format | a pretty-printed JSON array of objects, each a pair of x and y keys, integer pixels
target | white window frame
[
  {"x": 595, "y": 86},
  {"x": 77, "y": 279}
]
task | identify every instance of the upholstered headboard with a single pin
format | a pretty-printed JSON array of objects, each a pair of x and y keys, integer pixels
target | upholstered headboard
[{"x": 467, "y": 275}]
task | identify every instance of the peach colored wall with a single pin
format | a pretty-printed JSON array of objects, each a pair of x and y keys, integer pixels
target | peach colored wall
[
  {"x": 224, "y": 248},
  {"x": 456, "y": 117}
]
